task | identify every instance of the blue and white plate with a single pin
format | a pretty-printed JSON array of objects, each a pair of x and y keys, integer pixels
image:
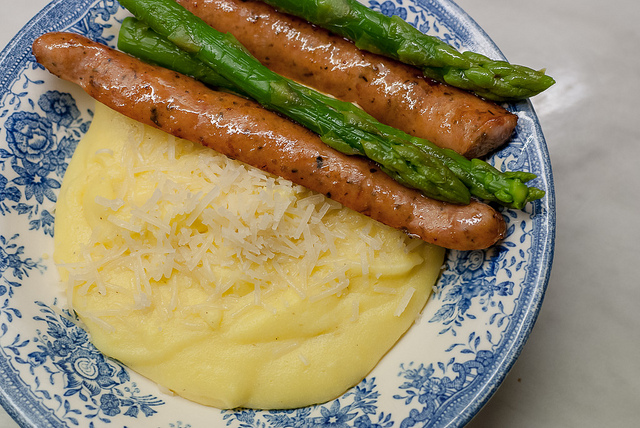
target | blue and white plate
[{"x": 441, "y": 372}]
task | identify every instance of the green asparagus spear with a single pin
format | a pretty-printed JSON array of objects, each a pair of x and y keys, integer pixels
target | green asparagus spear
[
  {"x": 392, "y": 36},
  {"x": 341, "y": 125},
  {"x": 136, "y": 38}
]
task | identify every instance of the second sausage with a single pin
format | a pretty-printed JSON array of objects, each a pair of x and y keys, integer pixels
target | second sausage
[{"x": 394, "y": 93}]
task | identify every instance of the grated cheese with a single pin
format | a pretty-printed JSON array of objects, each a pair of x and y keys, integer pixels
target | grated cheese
[
  {"x": 303, "y": 359},
  {"x": 404, "y": 302},
  {"x": 236, "y": 232}
]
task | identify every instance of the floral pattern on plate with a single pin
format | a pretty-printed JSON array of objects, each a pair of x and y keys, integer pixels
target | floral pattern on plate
[{"x": 439, "y": 374}]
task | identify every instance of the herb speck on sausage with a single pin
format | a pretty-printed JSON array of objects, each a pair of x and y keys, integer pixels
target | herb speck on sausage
[{"x": 154, "y": 116}]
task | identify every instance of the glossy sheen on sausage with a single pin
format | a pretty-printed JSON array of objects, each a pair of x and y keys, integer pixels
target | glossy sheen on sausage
[
  {"x": 243, "y": 130},
  {"x": 394, "y": 93}
]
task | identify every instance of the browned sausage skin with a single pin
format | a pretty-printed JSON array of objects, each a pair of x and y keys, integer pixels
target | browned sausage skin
[
  {"x": 394, "y": 93},
  {"x": 243, "y": 130}
]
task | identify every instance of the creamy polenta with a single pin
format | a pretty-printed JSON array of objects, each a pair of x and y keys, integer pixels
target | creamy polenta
[{"x": 228, "y": 286}]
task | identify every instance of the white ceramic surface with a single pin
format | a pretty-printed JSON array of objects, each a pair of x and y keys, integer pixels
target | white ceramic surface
[{"x": 579, "y": 367}]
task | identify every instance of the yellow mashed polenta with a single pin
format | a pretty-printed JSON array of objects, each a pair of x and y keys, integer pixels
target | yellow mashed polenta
[{"x": 229, "y": 286}]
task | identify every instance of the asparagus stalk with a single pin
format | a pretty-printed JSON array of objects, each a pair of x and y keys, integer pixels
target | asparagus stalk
[
  {"x": 415, "y": 162},
  {"x": 137, "y": 39},
  {"x": 393, "y": 37}
]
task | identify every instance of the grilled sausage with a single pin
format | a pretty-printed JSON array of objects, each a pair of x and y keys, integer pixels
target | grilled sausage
[
  {"x": 394, "y": 93},
  {"x": 243, "y": 130}
]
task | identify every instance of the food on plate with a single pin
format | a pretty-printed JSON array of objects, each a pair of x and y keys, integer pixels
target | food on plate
[
  {"x": 225, "y": 284},
  {"x": 138, "y": 40},
  {"x": 394, "y": 37},
  {"x": 394, "y": 93},
  {"x": 255, "y": 274},
  {"x": 241, "y": 129},
  {"x": 438, "y": 173}
]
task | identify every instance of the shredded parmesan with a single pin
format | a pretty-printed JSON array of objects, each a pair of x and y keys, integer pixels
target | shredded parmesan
[
  {"x": 404, "y": 302},
  {"x": 234, "y": 231},
  {"x": 303, "y": 359},
  {"x": 355, "y": 310}
]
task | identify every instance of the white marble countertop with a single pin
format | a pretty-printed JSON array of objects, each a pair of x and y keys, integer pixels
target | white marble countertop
[{"x": 581, "y": 365}]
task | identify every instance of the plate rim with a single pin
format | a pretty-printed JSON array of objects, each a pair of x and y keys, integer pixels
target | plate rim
[{"x": 547, "y": 248}]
